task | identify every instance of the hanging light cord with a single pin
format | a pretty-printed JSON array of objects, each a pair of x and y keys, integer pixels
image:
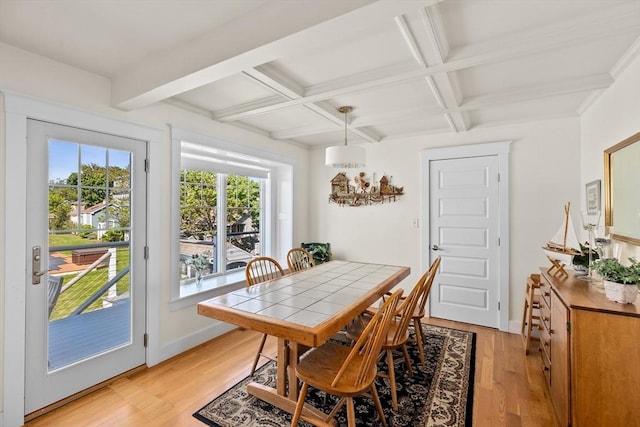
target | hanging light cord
[
  {"x": 345, "y": 109},
  {"x": 345, "y": 128}
]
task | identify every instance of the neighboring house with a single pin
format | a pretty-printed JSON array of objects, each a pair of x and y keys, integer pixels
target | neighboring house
[
  {"x": 242, "y": 225},
  {"x": 93, "y": 216}
]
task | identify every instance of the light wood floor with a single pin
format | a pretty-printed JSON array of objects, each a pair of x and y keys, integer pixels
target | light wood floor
[{"x": 509, "y": 387}]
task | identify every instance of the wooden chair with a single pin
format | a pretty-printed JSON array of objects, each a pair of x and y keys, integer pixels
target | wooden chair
[
  {"x": 398, "y": 334},
  {"x": 299, "y": 259},
  {"x": 258, "y": 270},
  {"x": 54, "y": 284},
  {"x": 531, "y": 311},
  {"x": 347, "y": 371},
  {"x": 419, "y": 312}
]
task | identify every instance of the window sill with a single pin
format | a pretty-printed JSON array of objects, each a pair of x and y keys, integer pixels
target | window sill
[{"x": 191, "y": 294}]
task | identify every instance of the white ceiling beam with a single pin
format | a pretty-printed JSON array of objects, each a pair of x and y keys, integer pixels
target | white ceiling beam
[
  {"x": 272, "y": 79},
  {"x": 251, "y": 40},
  {"x": 439, "y": 91}
]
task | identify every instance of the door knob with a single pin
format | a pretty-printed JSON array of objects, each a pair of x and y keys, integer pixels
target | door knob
[
  {"x": 35, "y": 265},
  {"x": 435, "y": 247}
]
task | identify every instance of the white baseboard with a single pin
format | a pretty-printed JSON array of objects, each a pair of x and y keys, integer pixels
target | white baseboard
[
  {"x": 185, "y": 343},
  {"x": 515, "y": 327}
]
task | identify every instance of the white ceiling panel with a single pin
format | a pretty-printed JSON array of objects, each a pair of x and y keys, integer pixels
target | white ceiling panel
[
  {"x": 226, "y": 93},
  {"x": 538, "y": 109},
  {"x": 289, "y": 118}
]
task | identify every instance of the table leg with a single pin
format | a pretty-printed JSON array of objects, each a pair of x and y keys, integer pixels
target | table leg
[
  {"x": 292, "y": 365},
  {"x": 282, "y": 362}
]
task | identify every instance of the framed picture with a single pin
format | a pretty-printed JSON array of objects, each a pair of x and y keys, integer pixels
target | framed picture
[{"x": 593, "y": 197}]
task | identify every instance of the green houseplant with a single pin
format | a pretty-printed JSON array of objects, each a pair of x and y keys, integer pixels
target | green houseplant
[
  {"x": 581, "y": 262},
  {"x": 620, "y": 281},
  {"x": 321, "y": 252}
]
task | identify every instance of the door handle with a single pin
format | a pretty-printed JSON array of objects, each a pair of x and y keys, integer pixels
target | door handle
[
  {"x": 435, "y": 247},
  {"x": 35, "y": 265}
]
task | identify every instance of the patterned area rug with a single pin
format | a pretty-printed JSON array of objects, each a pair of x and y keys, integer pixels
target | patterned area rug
[{"x": 439, "y": 394}]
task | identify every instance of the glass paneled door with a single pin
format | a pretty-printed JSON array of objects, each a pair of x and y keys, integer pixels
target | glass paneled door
[{"x": 86, "y": 237}]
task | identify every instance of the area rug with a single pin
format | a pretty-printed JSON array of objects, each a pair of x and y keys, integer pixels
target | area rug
[{"x": 439, "y": 394}]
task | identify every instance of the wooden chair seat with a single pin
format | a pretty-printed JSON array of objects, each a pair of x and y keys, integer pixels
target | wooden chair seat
[{"x": 322, "y": 365}]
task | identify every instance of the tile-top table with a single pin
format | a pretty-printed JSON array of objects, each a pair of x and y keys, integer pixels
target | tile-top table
[{"x": 304, "y": 308}]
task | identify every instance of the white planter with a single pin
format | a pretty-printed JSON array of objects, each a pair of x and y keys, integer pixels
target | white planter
[{"x": 625, "y": 294}]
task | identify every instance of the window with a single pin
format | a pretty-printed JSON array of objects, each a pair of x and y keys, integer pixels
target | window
[
  {"x": 201, "y": 218},
  {"x": 225, "y": 198}
]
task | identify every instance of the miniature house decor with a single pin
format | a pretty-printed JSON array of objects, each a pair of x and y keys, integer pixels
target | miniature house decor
[{"x": 361, "y": 191}]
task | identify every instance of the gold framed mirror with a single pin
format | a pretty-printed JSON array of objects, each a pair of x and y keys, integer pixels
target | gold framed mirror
[{"x": 622, "y": 190}]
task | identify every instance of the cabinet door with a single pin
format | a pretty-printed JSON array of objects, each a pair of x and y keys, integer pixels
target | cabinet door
[{"x": 560, "y": 367}]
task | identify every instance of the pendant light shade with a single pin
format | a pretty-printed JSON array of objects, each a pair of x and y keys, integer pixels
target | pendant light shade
[{"x": 345, "y": 156}]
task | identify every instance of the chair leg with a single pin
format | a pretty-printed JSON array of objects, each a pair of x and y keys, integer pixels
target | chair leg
[
  {"x": 351, "y": 413},
  {"x": 255, "y": 361},
  {"x": 300, "y": 404},
  {"x": 524, "y": 312},
  {"x": 392, "y": 380},
  {"x": 417, "y": 327},
  {"x": 407, "y": 361},
  {"x": 376, "y": 400}
]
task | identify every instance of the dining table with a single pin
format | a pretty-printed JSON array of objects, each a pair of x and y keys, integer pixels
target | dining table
[{"x": 303, "y": 310}]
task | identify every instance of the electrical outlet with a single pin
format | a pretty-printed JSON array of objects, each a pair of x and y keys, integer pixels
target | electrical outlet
[{"x": 415, "y": 223}]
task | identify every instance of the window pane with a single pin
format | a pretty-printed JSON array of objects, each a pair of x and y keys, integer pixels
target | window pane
[
  {"x": 243, "y": 220},
  {"x": 198, "y": 224},
  {"x": 119, "y": 169}
]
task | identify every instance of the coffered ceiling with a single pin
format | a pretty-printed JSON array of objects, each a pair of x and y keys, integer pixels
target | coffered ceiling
[{"x": 283, "y": 67}]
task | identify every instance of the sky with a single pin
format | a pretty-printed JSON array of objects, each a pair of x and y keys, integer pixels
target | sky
[{"x": 64, "y": 157}]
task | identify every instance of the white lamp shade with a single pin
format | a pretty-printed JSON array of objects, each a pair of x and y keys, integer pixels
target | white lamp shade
[{"x": 345, "y": 156}]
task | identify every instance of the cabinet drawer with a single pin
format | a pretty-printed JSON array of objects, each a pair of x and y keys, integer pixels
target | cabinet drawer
[
  {"x": 545, "y": 291},
  {"x": 545, "y": 314},
  {"x": 545, "y": 342},
  {"x": 546, "y": 365}
]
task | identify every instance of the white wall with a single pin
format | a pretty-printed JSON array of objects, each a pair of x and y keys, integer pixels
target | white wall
[
  {"x": 544, "y": 169},
  {"x": 613, "y": 117},
  {"x": 25, "y": 73}
]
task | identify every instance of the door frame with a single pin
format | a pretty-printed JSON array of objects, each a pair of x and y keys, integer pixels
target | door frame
[
  {"x": 17, "y": 109},
  {"x": 501, "y": 150}
]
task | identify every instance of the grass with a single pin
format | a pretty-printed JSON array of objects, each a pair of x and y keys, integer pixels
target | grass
[{"x": 73, "y": 297}]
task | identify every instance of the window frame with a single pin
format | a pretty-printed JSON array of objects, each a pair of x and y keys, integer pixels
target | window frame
[{"x": 276, "y": 219}]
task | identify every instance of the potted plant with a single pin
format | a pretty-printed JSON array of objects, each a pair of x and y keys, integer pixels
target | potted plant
[
  {"x": 199, "y": 262},
  {"x": 620, "y": 281},
  {"x": 321, "y": 252},
  {"x": 581, "y": 262}
]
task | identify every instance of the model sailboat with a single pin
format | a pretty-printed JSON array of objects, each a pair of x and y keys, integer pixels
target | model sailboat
[{"x": 564, "y": 245}]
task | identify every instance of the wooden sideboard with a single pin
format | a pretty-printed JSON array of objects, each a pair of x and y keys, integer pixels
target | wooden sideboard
[{"x": 590, "y": 349}]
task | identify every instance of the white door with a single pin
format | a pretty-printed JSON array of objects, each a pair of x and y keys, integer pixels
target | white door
[
  {"x": 86, "y": 230},
  {"x": 464, "y": 231}
]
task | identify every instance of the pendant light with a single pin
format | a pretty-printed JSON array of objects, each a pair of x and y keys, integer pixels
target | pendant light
[{"x": 345, "y": 156}]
